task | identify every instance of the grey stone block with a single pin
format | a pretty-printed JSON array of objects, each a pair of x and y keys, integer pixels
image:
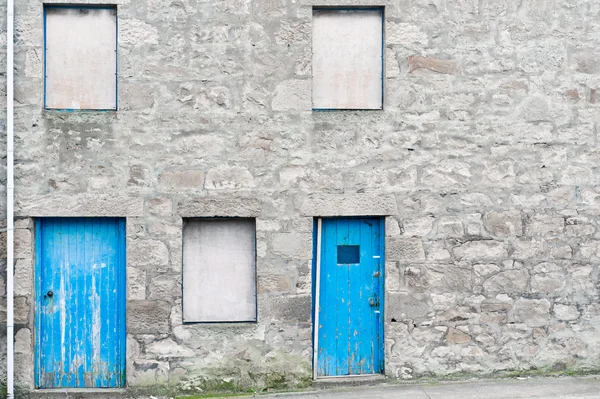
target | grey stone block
[
  {"x": 288, "y": 308},
  {"x": 148, "y": 317}
]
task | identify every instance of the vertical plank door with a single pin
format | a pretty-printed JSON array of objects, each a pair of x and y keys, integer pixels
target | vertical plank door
[
  {"x": 350, "y": 324},
  {"x": 80, "y": 303}
]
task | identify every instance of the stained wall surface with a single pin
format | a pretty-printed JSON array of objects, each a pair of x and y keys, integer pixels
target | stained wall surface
[{"x": 485, "y": 161}]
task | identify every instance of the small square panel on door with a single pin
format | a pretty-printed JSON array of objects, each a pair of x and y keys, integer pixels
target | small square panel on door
[
  {"x": 349, "y": 280},
  {"x": 80, "y": 303},
  {"x": 348, "y": 254}
]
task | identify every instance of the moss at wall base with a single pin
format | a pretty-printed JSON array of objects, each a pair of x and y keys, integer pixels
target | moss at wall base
[
  {"x": 553, "y": 371},
  {"x": 226, "y": 382}
]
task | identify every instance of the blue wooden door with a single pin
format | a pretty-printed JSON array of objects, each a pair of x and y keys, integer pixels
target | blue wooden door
[
  {"x": 80, "y": 303},
  {"x": 350, "y": 304}
]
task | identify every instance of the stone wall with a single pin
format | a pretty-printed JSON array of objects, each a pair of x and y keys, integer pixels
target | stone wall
[{"x": 485, "y": 160}]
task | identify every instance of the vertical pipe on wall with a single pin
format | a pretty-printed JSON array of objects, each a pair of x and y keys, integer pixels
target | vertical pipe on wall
[
  {"x": 9, "y": 199},
  {"x": 317, "y": 300}
]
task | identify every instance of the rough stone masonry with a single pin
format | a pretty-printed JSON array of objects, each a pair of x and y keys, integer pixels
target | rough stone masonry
[{"x": 485, "y": 162}]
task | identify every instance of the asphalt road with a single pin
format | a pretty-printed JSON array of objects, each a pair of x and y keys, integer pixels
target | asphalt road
[{"x": 551, "y": 387}]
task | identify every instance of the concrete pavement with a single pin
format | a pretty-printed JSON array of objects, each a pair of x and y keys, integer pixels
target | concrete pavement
[{"x": 548, "y": 387}]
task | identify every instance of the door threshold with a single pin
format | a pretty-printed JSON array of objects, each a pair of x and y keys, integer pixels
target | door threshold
[
  {"x": 356, "y": 379},
  {"x": 80, "y": 390},
  {"x": 97, "y": 393}
]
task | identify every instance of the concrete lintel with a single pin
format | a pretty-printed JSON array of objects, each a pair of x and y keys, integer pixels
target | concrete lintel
[
  {"x": 349, "y": 205},
  {"x": 77, "y": 205},
  {"x": 215, "y": 207}
]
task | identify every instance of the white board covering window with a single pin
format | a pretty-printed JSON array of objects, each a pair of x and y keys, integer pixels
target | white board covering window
[
  {"x": 219, "y": 270},
  {"x": 347, "y": 63},
  {"x": 80, "y": 64}
]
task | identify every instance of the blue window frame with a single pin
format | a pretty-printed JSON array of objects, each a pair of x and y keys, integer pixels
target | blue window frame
[
  {"x": 381, "y": 61},
  {"x": 53, "y": 10}
]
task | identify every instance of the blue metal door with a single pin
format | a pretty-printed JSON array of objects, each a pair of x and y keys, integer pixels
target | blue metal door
[
  {"x": 350, "y": 297},
  {"x": 80, "y": 303}
]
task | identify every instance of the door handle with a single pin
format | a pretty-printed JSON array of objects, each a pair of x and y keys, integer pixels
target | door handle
[
  {"x": 374, "y": 301},
  {"x": 50, "y": 294}
]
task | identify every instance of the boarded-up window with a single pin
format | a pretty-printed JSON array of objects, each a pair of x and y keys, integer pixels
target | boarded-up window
[
  {"x": 80, "y": 57},
  {"x": 219, "y": 270},
  {"x": 347, "y": 59}
]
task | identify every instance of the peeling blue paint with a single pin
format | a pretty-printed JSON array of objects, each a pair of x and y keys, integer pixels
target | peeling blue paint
[
  {"x": 80, "y": 303},
  {"x": 350, "y": 322}
]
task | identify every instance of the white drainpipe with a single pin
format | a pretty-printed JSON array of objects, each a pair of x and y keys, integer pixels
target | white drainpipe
[{"x": 10, "y": 189}]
